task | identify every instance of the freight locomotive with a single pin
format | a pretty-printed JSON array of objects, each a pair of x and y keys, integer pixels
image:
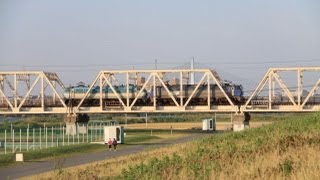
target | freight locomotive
[{"x": 74, "y": 94}]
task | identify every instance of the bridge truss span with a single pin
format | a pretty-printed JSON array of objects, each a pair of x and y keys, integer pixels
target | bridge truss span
[
  {"x": 136, "y": 91},
  {"x": 34, "y": 92},
  {"x": 155, "y": 91},
  {"x": 286, "y": 90}
]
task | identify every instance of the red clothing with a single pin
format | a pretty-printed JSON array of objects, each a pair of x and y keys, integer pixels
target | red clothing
[{"x": 110, "y": 142}]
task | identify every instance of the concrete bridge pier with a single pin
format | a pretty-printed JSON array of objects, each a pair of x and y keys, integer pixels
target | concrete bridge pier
[
  {"x": 241, "y": 121},
  {"x": 72, "y": 123}
]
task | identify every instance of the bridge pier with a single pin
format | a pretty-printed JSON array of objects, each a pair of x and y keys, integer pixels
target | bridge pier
[
  {"x": 241, "y": 121},
  {"x": 72, "y": 120}
]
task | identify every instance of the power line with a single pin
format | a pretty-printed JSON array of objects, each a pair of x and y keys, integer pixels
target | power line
[{"x": 240, "y": 62}]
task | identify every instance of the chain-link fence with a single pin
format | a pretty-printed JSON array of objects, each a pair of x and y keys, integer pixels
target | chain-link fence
[{"x": 20, "y": 140}]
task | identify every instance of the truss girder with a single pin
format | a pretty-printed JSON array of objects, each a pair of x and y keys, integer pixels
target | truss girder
[
  {"x": 153, "y": 77},
  {"x": 16, "y": 99},
  {"x": 16, "y": 94},
  {"x": 273, "y": 75}
]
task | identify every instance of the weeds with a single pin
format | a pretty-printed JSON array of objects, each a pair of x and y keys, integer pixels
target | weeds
[
  {"x": 59, "y": 167},
  {"x": 286, "y": 167}
]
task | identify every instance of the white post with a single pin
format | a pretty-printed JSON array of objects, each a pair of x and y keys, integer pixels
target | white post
[
  {"x": 83, "y": 134},
  {"x": 87, "y": 133},
  {"x": 192, "y": 73},
  {"x": 62, "y": 135},
  {"x": 5, "y": 141},
  {"x": 13, "y": 140},
  {"x": 46, "y": 137},
  {"x": 33, "y": 139},
  {"x": 28, "y": 138},
  {"x": 101, "y": 136},
  {"x": 91, "y": 132},
  {"x": 96, "y": 132},
  {"x": 20, "y": 140},
  {"x": 51, "y": 136},
  {"x": 40, "y": 137},
  {"x": 102, "y": 130},
  {"x": 68, "y": 139}
]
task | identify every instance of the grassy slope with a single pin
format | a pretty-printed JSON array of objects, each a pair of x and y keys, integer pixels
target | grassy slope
[{"x": 284, "y": 149}]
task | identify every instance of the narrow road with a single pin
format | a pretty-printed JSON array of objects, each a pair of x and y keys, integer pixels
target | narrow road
[{"x": 36, "y": 167}]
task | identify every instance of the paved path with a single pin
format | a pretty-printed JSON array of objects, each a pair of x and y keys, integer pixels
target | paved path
[{"x": 36, "y": 167}]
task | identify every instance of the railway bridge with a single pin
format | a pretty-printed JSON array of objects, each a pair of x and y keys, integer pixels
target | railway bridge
[{"x": 292, "y": 89}]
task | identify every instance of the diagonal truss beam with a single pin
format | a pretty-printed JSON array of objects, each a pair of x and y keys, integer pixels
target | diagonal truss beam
[
  {"x": 7, "y": 100},
  {"x": 141, "y": 90},
  {"x": 259, "y": 87},
  {"x": 295, "y": 99},
  {"x": 28, "y": 93},
  {"x": 284, "y": 87},
  {"x": 195, "y": 89},
  {"x": 47, "y": 80},
  {"x": 54, "y": 90},
  {"x": 167, "y": 89},
  {"x": 216, "y": 80},
  {"x": 89, "y": 89},
  {"x": 112, "y": 88},
  {"x": 311, "y": 93}
]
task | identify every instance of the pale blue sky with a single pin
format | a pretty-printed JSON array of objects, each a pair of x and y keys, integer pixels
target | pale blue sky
[{"x": 240, "y": 39}]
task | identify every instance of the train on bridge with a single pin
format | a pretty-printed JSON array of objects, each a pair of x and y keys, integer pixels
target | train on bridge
[
  {"x": 74, "y": 94},
  {"x": 36, "y": 92}
]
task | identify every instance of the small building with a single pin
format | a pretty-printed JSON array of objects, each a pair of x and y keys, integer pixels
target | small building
[
  {"x": 114, "y": 132},
  {"x": 208, "y": 125}
]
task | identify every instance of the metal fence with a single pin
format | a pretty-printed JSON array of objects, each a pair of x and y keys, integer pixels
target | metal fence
[{"x": 27, "y": 139}]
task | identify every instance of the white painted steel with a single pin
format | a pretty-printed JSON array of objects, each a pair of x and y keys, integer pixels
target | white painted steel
[
  {"x": 16, "y": 103},
  {"x": 272, "y": 76}
]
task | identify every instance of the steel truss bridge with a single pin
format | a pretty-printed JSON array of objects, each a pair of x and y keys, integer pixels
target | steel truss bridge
[{"x": 38, "y": 92}]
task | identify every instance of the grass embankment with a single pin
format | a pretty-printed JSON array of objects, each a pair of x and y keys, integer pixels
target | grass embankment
[
  {"x": 286, "y": 149},
  {"x": 133, "y": 137}
]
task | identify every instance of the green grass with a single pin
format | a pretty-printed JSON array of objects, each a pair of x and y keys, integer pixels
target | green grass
[
  {"x": 237, "y": 155},
  {"x": 143, "y": 135},
  {"x": 50, "y": 153},
  {"x": 7, "y": 159},
  {"x": 134, "y": 137}
]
